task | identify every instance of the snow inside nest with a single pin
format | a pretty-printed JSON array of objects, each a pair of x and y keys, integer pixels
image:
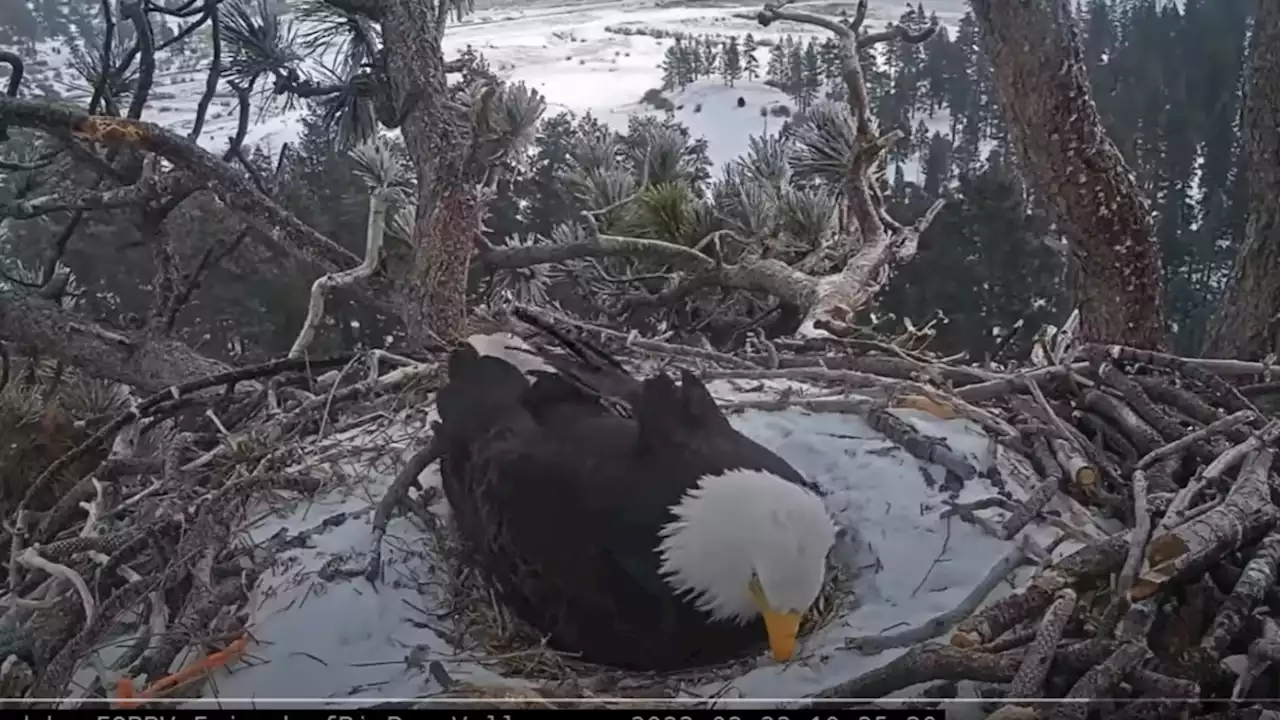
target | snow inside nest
[{"x": 321, "y": 636}]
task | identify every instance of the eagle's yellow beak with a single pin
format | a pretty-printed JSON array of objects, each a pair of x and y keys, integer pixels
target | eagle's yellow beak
[{"x": 782, "y": 627}]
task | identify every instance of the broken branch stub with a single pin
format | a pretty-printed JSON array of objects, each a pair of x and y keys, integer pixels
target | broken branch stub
[{"x": 1246, "y": 515}]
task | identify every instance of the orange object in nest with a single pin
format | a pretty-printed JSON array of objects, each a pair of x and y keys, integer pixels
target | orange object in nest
[{"x": 127, "y": 699}]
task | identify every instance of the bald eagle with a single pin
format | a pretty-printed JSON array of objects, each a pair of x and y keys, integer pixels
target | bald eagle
[{"x": 626, "y": 520}]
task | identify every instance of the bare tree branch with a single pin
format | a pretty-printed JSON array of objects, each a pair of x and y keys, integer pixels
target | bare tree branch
[
  {"x": 231, "y": 187},
  {"x": 167, "y": 186},
  {"x": 244, "y": 95},
  {"x": 594, "y": 247},
  {"x": 32, "y": 322},
  {"x": 215, "y": 70},
  {"x": 102, "y": 86},
  {"x": 374, "y": 232},
  {"x": 15, "y": 81},
  {"x": 213, "y": 255},
  {"x": 879, "y": 243},
  {"x": 43, "y": 161},
  {"x": 898, "y": 33},
  {"x": 146, "y": 44},
  {"x": 859, "y": 16}
]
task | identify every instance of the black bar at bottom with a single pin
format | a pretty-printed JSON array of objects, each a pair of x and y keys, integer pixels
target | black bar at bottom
[{"x": 477, "y": 714}]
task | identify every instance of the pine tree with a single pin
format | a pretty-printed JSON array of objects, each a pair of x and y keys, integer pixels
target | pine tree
[
  {"x": 965, "y": 98},
  {"x": 874, "y": 75},
  {"x": 548, "y": 201},
  {"x": 994, "y": 273},
  {"x": 776, "y": 72},
  {"x": 936, "y": 165},
  {"x": 908, "y": 70},
  {"x": 920, "y": 140},
  {"x": 681, "y": 64},
  {"x": 937, "y": 71},
  {"x": 731, "y": 62},
  {"x": 710, "y": 57},
  {"x": 672, "y": 66},
  {"x": 795, "y": 71},
  {"x": 810, "y": 75},
  {"x": 693, "y": 55},
  {"x": 750, "y": 63},
  {"x": 829, "y": 54}
]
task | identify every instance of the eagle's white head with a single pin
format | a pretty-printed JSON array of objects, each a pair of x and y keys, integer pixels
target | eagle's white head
[{"x": 748, "y": 543}]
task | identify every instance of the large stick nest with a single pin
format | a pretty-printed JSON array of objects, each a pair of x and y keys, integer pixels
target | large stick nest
[{"x": 1177, "y": 604}]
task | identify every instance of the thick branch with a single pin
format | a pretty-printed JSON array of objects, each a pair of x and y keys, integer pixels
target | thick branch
[
  {"x": 1100, "y": 680},
  {"x": 898, "y": 33},
  {"x": 1258, "y": 577},
  {"x": 773, "y": 12},
  {"x": 144, "y": 191},
  {"x": 185, "y": 10},
  {"x": 601, "y": 246},
  {"x": 862, "y": 277},
  {"x": 32, "y": 322},
  {"x": 865, "y": 274},
  {"x": 231, "y": 187}
]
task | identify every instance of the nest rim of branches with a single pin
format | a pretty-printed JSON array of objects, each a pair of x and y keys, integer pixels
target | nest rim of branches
[{"x": 1102, "y": 383}]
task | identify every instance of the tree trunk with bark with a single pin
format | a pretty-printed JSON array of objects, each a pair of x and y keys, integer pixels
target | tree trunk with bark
[
  {"x": 447, "y": 222},
  {"x": 1248, "y": 323},
  {"x": 1095, "y": 200}
]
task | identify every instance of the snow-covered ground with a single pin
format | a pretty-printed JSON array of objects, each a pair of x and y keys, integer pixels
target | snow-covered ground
[
  {"x": 563, "y": 49},
  {"x": 321, "y": 634}
]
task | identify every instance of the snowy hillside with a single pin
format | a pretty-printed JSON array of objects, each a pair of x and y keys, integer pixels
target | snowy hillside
[{"x": 571, "y": 52}]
